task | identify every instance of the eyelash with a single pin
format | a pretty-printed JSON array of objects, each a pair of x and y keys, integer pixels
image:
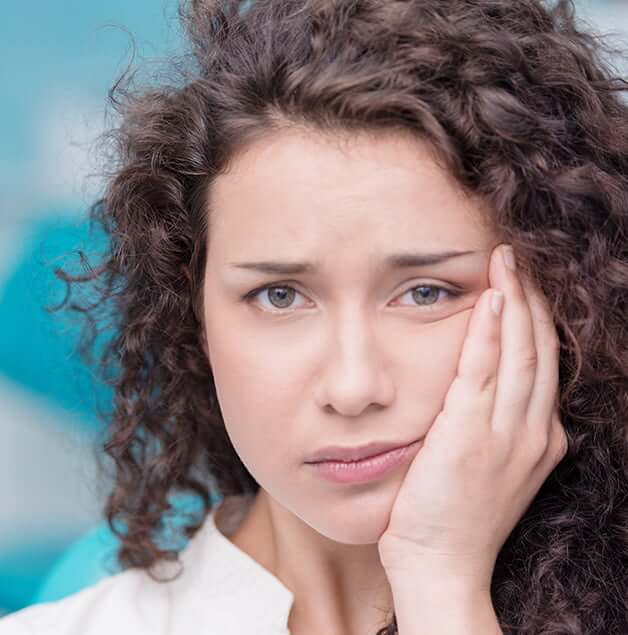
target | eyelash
[{"x": 250, "y": 295}]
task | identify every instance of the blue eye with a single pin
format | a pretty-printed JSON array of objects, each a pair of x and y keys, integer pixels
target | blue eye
[
  {"x": 281, "y": 296},
  {"x": 433, "y": 291},
  {"x": 284, "y": 298}
]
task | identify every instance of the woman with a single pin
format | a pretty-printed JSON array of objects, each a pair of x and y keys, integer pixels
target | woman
[{"x": 309, "y": 248}]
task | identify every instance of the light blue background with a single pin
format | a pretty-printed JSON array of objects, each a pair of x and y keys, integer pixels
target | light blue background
[{"x": 57, "y": 62}]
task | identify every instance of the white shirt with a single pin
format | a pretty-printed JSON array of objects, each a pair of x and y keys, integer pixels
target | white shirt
[{"x": 222, "y": 591}]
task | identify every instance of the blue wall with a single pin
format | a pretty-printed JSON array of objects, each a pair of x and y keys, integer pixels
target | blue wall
[{"x": 57, "y": 62}]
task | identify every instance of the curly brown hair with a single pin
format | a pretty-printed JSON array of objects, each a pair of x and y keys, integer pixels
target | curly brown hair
[{"x": 522, "y": 105}]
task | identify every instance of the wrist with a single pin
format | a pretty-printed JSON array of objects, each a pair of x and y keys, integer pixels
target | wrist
[
  {"x": 439, "y": 591},
  {"x": 436, "y": 597},
  {"x": 443, "y": 607},
  {"x": 467, "y": 576}
]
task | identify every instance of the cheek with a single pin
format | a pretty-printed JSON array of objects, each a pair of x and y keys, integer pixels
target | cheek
[
  {"x": 254, "y": 375},
  {"x": 261, "y": 372},
  {"x": 255, "y": 395},
  {"x": 432, "y": 362}
]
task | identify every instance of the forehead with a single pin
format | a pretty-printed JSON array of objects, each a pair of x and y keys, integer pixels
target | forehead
[{"x": 311, "y": 187}]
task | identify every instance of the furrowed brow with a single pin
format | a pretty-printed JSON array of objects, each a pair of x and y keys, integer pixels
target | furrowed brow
[{"x": 392, "y": 261}]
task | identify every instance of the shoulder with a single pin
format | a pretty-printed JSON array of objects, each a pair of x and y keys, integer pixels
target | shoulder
[
  {"x": 129, "y": 601},
  {"x": 208, "y": 578}
]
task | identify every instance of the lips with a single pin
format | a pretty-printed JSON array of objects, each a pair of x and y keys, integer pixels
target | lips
[{"x": 351, "y": 454}]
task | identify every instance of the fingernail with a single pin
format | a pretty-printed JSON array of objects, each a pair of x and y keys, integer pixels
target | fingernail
[
  {"x": 509, "y": 258},
  {"x": 497, "y": 302}
]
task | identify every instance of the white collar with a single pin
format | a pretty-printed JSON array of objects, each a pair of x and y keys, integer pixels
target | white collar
[{"x": 222, "y": 575}]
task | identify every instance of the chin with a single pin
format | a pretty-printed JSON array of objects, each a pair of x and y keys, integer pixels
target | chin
[
  {"x": 354, "y": 520},
  {"x": 355, "y": 533}
]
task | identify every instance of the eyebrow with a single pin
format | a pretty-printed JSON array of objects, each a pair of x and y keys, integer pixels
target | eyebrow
[{"x": 392, "y": 261}]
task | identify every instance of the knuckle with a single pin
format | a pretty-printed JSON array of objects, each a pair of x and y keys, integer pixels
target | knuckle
[
  {"x": 486, "y": 382},
  {"x": 538, "y": 446},
  {"x": 494, "y": 337},
  {"x": 529, "y": 360},
  {"x": 471, "y": 457}
]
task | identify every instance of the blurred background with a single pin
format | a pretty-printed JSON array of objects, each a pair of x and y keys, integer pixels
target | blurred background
[{"x": 57, "y": 62}]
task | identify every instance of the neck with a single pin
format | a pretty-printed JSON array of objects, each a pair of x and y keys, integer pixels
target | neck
[{"x": 338, "y": 588}]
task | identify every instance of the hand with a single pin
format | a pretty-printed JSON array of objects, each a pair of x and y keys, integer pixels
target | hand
[{"x": 491, "y": 447}]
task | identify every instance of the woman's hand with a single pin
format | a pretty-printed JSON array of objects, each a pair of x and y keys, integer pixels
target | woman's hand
[{"x": 491, "y": 447}]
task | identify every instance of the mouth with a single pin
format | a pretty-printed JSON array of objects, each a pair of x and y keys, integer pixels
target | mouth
[
  {"x": 367, "y": 469},
  {"x": 346, "y": 454}
]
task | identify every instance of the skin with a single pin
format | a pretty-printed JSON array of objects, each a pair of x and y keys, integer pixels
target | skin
[
  {"x": 468, "y": 485},
  {"x": 353, "y": 357}
]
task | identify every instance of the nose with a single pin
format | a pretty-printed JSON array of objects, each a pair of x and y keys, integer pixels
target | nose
[{"x": 355, "y": 372}]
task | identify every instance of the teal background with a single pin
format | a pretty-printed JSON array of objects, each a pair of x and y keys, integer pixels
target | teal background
[{"x": 57, "y": 62}]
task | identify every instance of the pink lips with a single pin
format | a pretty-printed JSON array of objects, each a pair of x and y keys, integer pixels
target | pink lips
[
  {"x": 337, "y": 453},
  {"x": 366, "y": 469}
]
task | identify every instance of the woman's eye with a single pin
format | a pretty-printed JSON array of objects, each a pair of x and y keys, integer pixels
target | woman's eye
[
  {"x": 282, "y": 296},
  {"x": 281, "y": 299},
  {"x": 429, "y": 294}
]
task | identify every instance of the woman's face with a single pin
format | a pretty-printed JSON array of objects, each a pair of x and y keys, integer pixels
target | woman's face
[{"x": 352, "y": 350}]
